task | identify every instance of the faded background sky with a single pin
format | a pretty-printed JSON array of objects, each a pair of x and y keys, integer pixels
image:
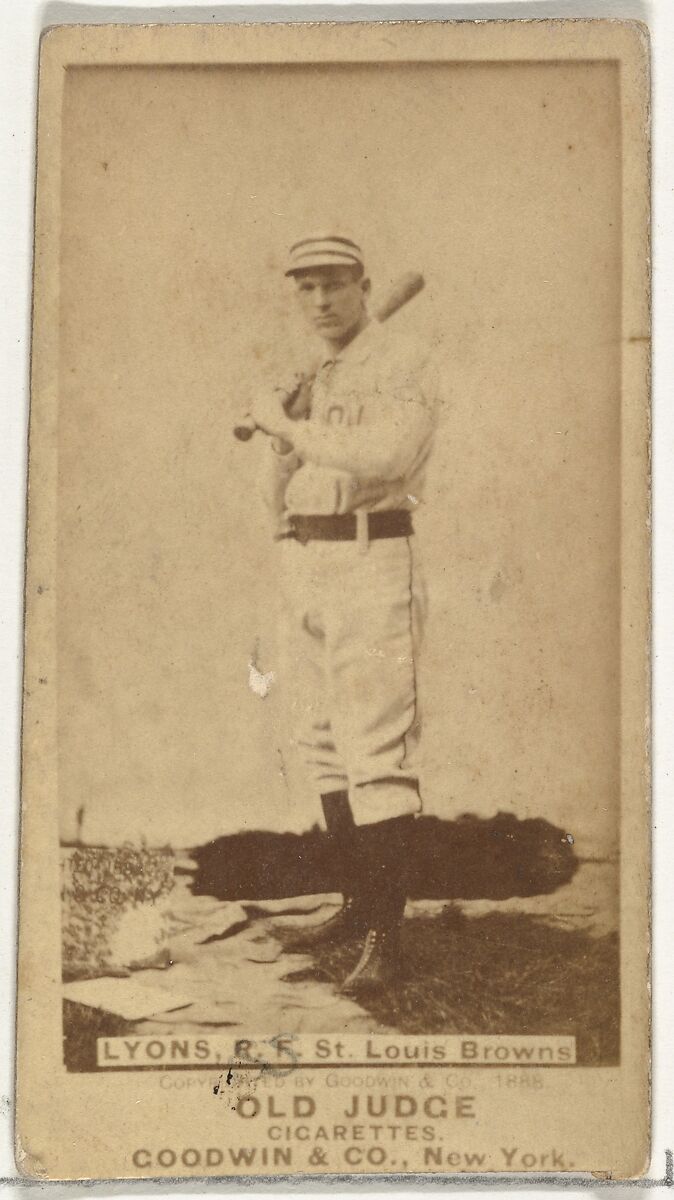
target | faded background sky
[{"x": 181, "y": 190}]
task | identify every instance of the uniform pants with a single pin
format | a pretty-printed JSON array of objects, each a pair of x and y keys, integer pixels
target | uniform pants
[{"x": 351, "y": 627}]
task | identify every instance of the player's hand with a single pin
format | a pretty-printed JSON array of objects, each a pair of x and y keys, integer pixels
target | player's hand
[
  {"x": 299, "y": 396},
  {"x": 269, "y": 414}
]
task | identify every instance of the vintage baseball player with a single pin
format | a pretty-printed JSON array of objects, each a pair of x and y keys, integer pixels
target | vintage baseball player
[{"x": 348, "y": 455}]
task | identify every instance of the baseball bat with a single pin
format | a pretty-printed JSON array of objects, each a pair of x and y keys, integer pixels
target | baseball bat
[{"x": 405, "y": 288}]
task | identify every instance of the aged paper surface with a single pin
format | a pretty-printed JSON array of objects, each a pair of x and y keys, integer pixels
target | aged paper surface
[{"x": 441, "y": 965}]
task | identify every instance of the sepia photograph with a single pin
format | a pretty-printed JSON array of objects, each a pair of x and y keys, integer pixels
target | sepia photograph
[{"x": 337, "y": 598}]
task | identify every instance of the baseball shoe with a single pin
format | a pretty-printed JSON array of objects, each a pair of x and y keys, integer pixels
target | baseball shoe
[
  {"x": 347, "y": 923},
  {"x": 382, "y": 855},
  {"x": 379, "y": 965}
]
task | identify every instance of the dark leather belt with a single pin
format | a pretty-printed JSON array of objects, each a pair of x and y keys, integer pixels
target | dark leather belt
[{"x": 339, "y": 527}]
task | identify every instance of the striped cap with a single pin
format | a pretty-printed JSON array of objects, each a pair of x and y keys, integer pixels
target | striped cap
[{"x": 323, "y": 250}]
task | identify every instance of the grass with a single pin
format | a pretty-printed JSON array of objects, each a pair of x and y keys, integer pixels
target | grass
[{"x": 501, "y": 973}]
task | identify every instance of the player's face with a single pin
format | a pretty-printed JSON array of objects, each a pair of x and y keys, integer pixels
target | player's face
[{"x": 332, "y": 301}]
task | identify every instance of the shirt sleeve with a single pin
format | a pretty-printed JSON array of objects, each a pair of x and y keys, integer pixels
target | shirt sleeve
[
  {"x": 401, "y": 419},
  {"x": 278, "y": 470}
]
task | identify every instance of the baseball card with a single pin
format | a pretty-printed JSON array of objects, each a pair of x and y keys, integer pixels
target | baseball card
[{"x": 335, "y": 824}]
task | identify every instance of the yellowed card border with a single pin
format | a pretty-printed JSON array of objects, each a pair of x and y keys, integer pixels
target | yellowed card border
[{"x": 39, "y": 1021}]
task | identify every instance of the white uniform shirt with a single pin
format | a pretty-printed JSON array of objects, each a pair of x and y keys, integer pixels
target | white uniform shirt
[{"x": 367, "y": 440}]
